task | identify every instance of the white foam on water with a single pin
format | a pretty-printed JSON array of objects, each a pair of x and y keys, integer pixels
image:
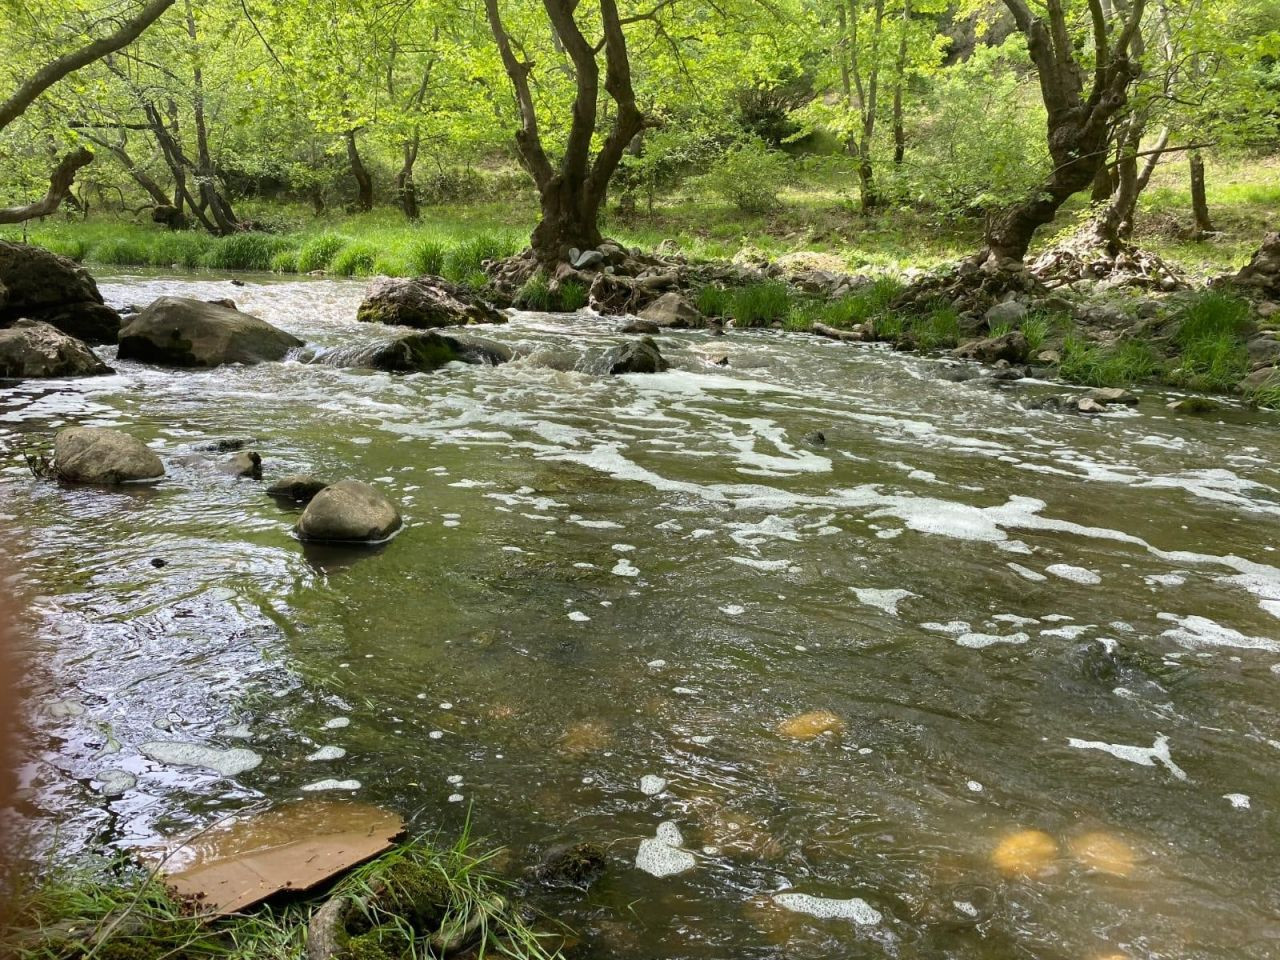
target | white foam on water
[
  {"x": 651, "y": 785},
  {"x": 952, "y": 627},
  {"x": 1026, "y": 573},
  {"x": 977, "y": 641},
  {"x": 436, "y": 734},
  {"x": 595, "y": 524},
  {"x": 1143, "y": 756},
  {"x": 331, "y": 785},
  {"x": 732, "y": 609},
  {"x": 656, "y": 664},
  {"x": 337, "y": 723},
  {"x": 974, "y": 786},
  {"x": 623, "y": 547},
  {"x": 625, "y": 568},
  {"x": 762, "y": 564},
  {"x": 1195, "y": 632},
  {"x": 965, "y": 907},
  {"x": 228, "y": 762},
  {"x": 855, "y": 909},
  {"x": 1075, "y": 574},
  {"x": 1238, "y": 800},
  {"x": 1066, "y": 633},
  {"x": 456, "y": 798},
  {"x": 661, "y": 855},
  {"x": 1166, "y": 579},
  {"x": 328, "y": 753},
  {"x": 886, "y": 600},
  {"x": 1014, "y": 620},
  {"x": 578, "y": 616}
]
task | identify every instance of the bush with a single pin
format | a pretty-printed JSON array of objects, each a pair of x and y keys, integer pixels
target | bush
[
  {"x": 426, "y": 256},
  {"x": 760, "y": 304},
  {"x": 748, "y": 176},
  {"x": 243, "y": 251},
  {"x": 1036, "y": 327},
  {"x": 355, "y": 260},
  {"x": 318, "y": 252}
]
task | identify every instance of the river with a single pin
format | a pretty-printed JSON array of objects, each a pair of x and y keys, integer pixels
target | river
[{"x": 1010, "y": 620}]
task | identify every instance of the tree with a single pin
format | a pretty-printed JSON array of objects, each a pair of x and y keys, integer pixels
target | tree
[
  {"x": 1079, "y": 119},
  {"x": 45, "y": 77},
  {"x": 573, "y": 190}
]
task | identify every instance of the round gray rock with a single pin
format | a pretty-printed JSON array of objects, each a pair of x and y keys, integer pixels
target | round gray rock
[
  {"x": 101, "y": 455},
  {"x": 182, "y": 332},
  {"x": 32, "y": 348},
  {"x": 349, "y": 511}
]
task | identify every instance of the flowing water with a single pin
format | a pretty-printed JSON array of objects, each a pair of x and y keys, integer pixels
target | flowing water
[{"x": 1015, "y": 620}]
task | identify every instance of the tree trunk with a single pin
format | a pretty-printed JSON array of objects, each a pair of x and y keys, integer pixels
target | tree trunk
[
  {"x": 900, "y": 75},
  {"x": 218, "y": 206},
  {"x": 1079, "y": 126},
  {"x": 364, "y": 183},
  {"x": 570, "y": 220},
  {"x": 140, "y": 176},
  {"x": 406, "y": 189},
  {"x": 1199, "y": 202}
]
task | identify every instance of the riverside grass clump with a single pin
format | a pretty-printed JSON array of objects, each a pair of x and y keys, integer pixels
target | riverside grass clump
[
  {"x": 1122, "y": 364},
  {"x": 1211, "y": 342},
  {"x": 419, "y": 899}
]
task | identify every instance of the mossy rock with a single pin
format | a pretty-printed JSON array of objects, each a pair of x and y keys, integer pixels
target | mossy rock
[{"x": 388, "y": 941}]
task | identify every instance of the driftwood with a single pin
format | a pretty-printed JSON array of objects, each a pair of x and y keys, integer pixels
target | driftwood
[{"x": 849, "y": 336}]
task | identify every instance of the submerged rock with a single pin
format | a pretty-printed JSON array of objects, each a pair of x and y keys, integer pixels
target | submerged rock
[
  {"x": 182, "y": 332},
  {"x": 1027, "y": 853},
  {"x": 39, "y": 285},
  {"x": 32, "y": 348},
  {"x": 425, "y": 302},
  {"x": 635, "y": 356},
  {"x": 1194, "y": 405},
  {"x": 811, "y": 725},
  {"x": 102, "y": 455},
  {"x": 419, "y": 353},
  {"x": 244, "y": 464},
  {"x": 571, "y": 865},
  {"x": 300, "y": 488},
  {"x": 1103, "y": 853},
  {"x": 349, "y": 511}
]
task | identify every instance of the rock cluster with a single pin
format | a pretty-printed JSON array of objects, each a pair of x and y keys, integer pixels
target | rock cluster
[{"x": 36, "y": 284}]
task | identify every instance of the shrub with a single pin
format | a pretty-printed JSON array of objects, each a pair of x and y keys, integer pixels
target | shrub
[
  {"x": 760, "y": 304},
  {"x": 243, "y": 251},
  {"x": 714, "y": 301},
  {"x": 426, "y": 256},
  {"x": 318, "y": 252},
  {"x": 748, "y": 176},
  {"x": 355, "y": 260},
  {"x": 573, "y": 296}
]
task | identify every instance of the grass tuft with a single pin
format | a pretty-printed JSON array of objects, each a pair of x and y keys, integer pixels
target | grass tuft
[
  {"x": 714, "y": 301},
  {"x": 243, "y": 251},
  {"x": 573, "y": 296},
  {"x": 1122, "y": 364},
  {"x": 426, "y": 256},
  {"x": 1210, "y": 338},
  {"x": 356, "y": 259},
  {"x": 760, "y": 304},
  {"x": 468, "y": 257},
  {"x": 318, "y": 252}
]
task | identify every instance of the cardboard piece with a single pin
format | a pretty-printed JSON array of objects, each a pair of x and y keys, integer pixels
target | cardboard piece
[{"x": 240, "y": 862}]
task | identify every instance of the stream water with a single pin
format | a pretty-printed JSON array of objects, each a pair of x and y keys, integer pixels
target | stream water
[{"x": 1014, "y": 620}]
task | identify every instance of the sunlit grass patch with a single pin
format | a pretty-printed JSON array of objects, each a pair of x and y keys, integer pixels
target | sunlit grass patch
[{"x": 1121, "y": 364}]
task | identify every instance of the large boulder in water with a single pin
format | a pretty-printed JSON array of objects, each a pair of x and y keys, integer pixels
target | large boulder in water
[
  {"x": 38, "y": 285},
  {"x": 181, "y": 332},
  {"x": 635, "y": 356},
  {"x": 101, "y": 455},
  {"x": 349, "y": 511},
  {"x": 419, "y": 353},
  {"x": 424, "y": 303},
  {"x": 32, "y": 348}
]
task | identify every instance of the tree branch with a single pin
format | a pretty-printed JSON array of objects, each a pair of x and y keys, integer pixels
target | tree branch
[{"x": 60, "y": 181}]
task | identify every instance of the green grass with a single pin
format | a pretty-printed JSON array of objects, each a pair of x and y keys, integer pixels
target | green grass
[
  {"x": 536, "y": 294},
  {"x": 1121, "y": 364},
  {"x": 1210, "y": 340},
  {"x": 356, "y": 259},
  {"x": 1036, "y": 327},
  {"x": 1001, "y": 327},
  {"x": 938, "y": 328},
  {"x": 467, "y": 258},
  {"x": 573, "y": 296},
  {"x": 1267, "y": 395},
  {"x": 242, "y": 251},
  {"x": 419, "y": 899},
  {"x": 318, "y": 252},
  {"x": 714, "y": 301},
  {"x": 426, "y": 256},
  {"x": 760, "y": 304}
]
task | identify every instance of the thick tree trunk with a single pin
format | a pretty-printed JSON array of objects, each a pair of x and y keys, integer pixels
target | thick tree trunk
[
  {"x": 1199, "y": 202},
  {"x": 570, "y": 220},
  {"x": 364, "y": 183}
]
